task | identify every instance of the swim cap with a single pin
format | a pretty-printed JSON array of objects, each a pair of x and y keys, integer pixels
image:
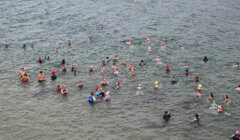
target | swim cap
[
  {"x": 54, "y": 72},
  {"x": 156, "y": 82},
  {"x": 118, "y": 83}
]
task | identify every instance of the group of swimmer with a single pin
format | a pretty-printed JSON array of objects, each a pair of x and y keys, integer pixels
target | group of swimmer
[{"x": 99, "y": 94}]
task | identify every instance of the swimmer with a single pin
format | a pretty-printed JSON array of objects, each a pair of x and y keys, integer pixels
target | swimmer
[
  {"x": 129, "y": 42},
  {"x": 187, "y": 68},
  {"x": 167, "y": 68},
  {"x": 6, "y": 45},
  {"x": 25, "y": 78},
  {"x": 100, "y": 94},
  {"x": 116, "y": 71},
  {"x": 90, "y": 69},
  {"x": 157, "y": 59},
  {"x": 117, "y": 85},
  {"x": 90, "y": 39},
  {"x": 238, "y": 88},
  {"x": 41, "y": 77},
  {"x": 162, "y": 46},
  {"x": 196, "y": 78},
  {"x": 173, "y": 38},
  {"x": 141, "y": 63},
  {"x": 64, "y": 90},
  {"x": 91, "y": 99},
  {"x": 236, "y": 65},
  {"x": 46, "y": 57},
  {"x": 225, "y": 98},
  {"x": 149, "y": 50},
  {"x": 56, "y": 48},
  {"x": 103, "y": 69},
  {"x": 24, "y": 46},
  {"x": 124, "y": 63},
  {"x": 205, "y": 59},
  {"x": 40, "y": 60},
  {"x": 104, "y": 81},
  {"x": 80, "y": 85},
  {"x": 181, "y": 47},
  {"x": 64, "y": 67},
  {"x": 199, "y": 87},
  {"x": 156, "y": 85},
  {"x": 63, "y": 62},
  {"x": 107, "y": 98},
  {"x": 148, "y": 40},
  {"x": 103, "y": 63},
  {"x": 139, "y": 89},
  {"x": 220, "y": 109},
  {"x": 133, "y": 71},
  {"x": 54, "y": 76},
  {"x": 236, "y": 135},
  {"x": 58, "y": 89},
  {"x": 74, "y": 69},
  {"x": 21, "y": 71},
  {"x": 69, "y": 43},
  {"x": 32, "y": 45},
  {"x": 198, "y": 93},
  {"x": 114, "y": 66},
  {"x": 167, "y": 116},
  {"x": 173, "y": 80},
  {"x": 211, "y": 98},
  {"x": 130, "y": 67},
  {"x": 115, "y": 59},
  {"x": 197, "y": 118},
  {"x": 107, "y": 59}
]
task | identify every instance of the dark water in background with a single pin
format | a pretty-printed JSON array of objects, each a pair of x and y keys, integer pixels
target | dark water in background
[{"x": 33, "y": 111}]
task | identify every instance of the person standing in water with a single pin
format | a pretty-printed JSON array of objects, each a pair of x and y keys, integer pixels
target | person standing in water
[{"x": 91, "y": 98}]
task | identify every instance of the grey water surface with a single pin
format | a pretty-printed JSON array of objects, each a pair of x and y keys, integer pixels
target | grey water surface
[{"x": 35, "y": 111}]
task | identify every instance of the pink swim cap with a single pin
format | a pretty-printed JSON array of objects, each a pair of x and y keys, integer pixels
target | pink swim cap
[{"x": 54, "y": 72}]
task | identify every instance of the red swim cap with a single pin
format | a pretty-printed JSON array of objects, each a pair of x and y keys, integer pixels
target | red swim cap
[
  {"x": 118, "y": 83},
  {"x": 54, "y": 72}
]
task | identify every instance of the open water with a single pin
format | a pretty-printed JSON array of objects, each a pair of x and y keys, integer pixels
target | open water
[{"x": 35, "y": 111}]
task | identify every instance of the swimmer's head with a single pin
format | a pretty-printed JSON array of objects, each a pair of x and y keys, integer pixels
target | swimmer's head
[
  {"x": 92, "y": 93},
  {"x": 197, "y": 115},
  {"x": 41, "y": 72},
  {"x": 139, "y": 85},
  {"x": 53, "y": 72},
  {"x": 226, "y": 97},
  {"x": 156, "y": 82}
]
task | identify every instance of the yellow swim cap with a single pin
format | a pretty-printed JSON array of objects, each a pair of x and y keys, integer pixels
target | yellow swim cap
[
  {"x": 156, "y": 82},
  {"x": 139, "y": 85}
]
